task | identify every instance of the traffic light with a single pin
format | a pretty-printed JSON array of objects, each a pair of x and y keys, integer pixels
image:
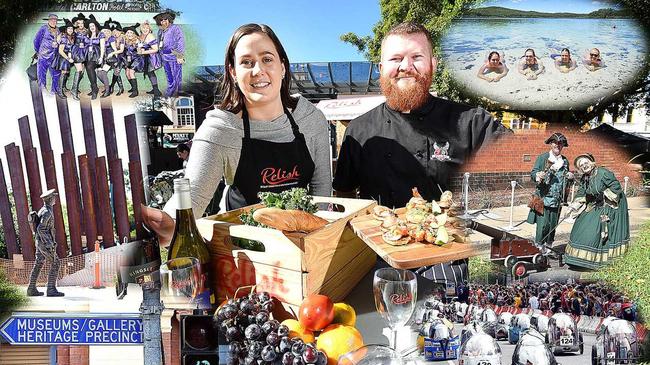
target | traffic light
[{"x": 199, "y": 341}]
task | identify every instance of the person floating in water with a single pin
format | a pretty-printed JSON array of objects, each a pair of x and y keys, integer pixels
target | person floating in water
[
  {"x": 530, "y": 66},
  {"x": 563, "y": 61},
  {"x": 494, "y": 69},
  {"x": 592, "y": 61}
]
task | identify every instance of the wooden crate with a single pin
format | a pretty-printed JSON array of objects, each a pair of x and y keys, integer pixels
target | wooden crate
[{"x": 329, "y": 261}]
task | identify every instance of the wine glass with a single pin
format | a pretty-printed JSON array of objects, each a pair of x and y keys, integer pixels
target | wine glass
[
  {"x": 371, "y": 355},
  {"x": 395, "y": 293},
  {"x": 180, "y": 278}
]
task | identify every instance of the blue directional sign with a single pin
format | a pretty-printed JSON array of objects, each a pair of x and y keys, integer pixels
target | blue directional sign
[{"x": 71, "y": 328}]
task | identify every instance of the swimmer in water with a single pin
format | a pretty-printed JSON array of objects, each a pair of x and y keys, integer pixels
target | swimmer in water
[
  {"x": 530, "y": 66},
  {"x": 494, "y": 69},
  {"x": 592, "y": 61},
  {"x": 563, "y": 62}
]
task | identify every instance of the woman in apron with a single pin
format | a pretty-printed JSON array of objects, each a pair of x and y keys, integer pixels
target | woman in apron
[{"x": 259, "y": 138}]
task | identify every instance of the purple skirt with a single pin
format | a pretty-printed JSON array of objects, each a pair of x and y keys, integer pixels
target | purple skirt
[
  {"x": 154, "y": 62},
  {"x": 60, "y": 63},
  {"x": 79, "y": 55}
]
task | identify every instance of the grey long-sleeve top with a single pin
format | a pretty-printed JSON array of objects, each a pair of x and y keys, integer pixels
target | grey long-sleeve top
[{"x": 217, "y": 144}]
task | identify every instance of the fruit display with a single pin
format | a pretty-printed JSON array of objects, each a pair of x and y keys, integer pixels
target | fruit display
[
  {"x": 315, "y": 337},
  {"x": 422, "y": 221}
]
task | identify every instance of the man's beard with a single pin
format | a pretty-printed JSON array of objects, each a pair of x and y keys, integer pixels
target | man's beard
[{"x": 406, "y": 99}]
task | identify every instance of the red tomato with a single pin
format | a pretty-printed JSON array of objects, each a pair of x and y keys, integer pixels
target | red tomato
[{"x": 316, "y": 312}]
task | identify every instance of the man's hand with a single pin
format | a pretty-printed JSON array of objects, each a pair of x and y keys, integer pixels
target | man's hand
[
  {"x": 160, "y": 223},
  {"x": 180, "y": 60},
  {"x": 540, "y": 175},
  {"x": 570, "y": 175}
]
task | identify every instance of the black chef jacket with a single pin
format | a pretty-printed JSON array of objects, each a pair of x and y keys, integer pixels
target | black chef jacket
[{"x": 386, "y": 153}]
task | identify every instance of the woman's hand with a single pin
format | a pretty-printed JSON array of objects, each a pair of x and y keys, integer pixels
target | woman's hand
[{"x": 160, "y": 223}]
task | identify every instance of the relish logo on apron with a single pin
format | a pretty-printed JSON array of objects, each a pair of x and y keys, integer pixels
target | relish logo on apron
[
  {"x": 278, "y": 177},
  {"x": 266, "y": 166}
]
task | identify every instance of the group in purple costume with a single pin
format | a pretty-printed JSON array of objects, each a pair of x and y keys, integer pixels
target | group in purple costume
[{"x": 96, "y": 50}]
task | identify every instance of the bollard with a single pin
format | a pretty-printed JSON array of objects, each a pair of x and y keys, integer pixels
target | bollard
[
  {"x": 466, "y": 215},
  {"x": 626, "y": 179},
  {"x": 510, "y": 227},
  {"x": 98, "y": 271}
]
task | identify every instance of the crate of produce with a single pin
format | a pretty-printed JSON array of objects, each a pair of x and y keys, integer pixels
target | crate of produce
[{"x": 330, "y": 260}]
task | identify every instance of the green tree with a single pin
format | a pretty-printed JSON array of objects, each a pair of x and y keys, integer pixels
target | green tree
[{"x": 436, "y": 16}]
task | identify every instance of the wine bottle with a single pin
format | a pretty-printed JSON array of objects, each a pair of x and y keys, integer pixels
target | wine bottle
[
  {"x": 188, "y": 242},
  {"x": 139, "y": 263}
]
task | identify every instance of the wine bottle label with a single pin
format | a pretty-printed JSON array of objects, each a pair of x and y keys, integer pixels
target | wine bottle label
[{"x": 204, "y": 296}]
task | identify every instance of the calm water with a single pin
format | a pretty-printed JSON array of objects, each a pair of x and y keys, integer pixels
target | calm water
[
  {"x": 622, "y": 44},
  {"x": 612, "y": 36}
]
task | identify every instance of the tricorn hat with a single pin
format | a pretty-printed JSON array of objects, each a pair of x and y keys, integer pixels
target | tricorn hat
[
  {"x": 588, "y": 156},
  {"x": 170, "y": 14},
  {"x": 49, "y": 193},
  {"x": 558, "y": 138},
  {"x": 64, "y": 27},
  {"x": 79, "y": 16}
]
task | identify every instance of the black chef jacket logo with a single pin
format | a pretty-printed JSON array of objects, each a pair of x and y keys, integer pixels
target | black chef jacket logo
[
  {"x": 275, "y": 176},
  {"x": 440, "y": 153}
]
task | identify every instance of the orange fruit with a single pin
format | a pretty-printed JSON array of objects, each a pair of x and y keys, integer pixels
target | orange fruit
[
  {"x": 296, "y": 330},
  {"x": 344, "y": 314},
  {"x": 336, "y": 340}
]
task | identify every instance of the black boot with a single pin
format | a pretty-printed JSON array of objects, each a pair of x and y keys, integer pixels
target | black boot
[
  {"x": 52, "y": 292},
  {"x": 75, "y": 85},
  {"x": 33, "y": 277},
  {"x": 134, "y": 87},
  {"x": 120, "y": 86},
  {"x": 131, "y": 89},
  {"x": 103, "y": 76},
  {"x": 60, "y": 93},
  {"x": 33, "y": 292},
  {"x": 64, "y": 82},
  {"x": 51, "y": 278},
  {"x": 156, "y": 91}
]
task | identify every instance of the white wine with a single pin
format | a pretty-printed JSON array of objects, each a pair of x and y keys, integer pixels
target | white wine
[{"x": 188, "y": 242}]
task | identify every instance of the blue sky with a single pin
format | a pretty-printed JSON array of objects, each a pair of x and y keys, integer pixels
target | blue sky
[
  {"x": 553, "y": 6},
  {"x": 308, "y": 30}
]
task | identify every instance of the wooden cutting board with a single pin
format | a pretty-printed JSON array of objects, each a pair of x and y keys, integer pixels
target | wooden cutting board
[{"x": 412, "y": 255}]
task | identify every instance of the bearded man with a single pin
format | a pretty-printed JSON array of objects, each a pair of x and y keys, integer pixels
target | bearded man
[{"x": 413, "y": 139}]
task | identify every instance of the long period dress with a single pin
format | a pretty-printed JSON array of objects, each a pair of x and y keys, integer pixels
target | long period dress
[{"x": 602, "y": 232}]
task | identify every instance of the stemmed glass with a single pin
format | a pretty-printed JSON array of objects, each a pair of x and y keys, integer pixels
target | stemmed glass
[
  {"x": 180, "y": 278},
  {"x": 395, "y": 293}
]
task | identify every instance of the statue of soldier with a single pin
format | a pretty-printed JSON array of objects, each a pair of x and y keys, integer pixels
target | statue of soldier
[{"x": 42, "y": 224}]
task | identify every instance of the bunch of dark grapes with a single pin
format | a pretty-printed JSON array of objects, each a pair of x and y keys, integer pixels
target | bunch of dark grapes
[{"x": 256, "y": 339}]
